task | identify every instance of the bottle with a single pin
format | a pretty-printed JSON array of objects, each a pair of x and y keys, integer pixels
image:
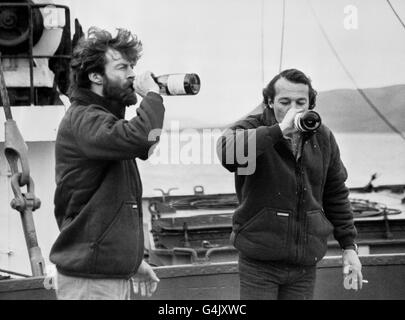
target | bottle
[
  {"x": 178, "y": 84},
  {"x": 307, "y": 121}
]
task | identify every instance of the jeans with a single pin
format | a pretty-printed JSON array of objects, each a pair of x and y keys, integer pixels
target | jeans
[
  {"x": 262, "y": 280},
  {"x": 74, "y": 288}
]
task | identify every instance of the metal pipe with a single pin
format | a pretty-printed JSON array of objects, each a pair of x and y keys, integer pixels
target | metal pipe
[
  {"x": 68, "y": 30},
  {"x": 4, "y": 94},
  {"x": 33, "y": 5},
  {"x": 20, "y": 56},
  {"x": 34, "y": 252},
  {"x": 15, "y": 273},
  {"x": 31, "y": 59}
]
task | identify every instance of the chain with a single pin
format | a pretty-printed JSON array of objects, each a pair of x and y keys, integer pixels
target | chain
[{"x": 16, "y": 152}]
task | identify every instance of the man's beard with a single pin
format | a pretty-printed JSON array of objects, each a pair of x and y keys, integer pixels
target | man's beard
[{"x": 123, "y": 94}]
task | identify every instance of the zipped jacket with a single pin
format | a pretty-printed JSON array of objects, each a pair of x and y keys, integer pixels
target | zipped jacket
[
  {"x": 98, "y": 205},
  {"x": 289, "y": 205}
]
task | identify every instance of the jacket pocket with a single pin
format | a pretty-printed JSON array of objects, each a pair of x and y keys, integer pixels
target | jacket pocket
[
  {"x": 318, "y": 229},
  {"x": 119, "y": 248},
  {"x": 264, "y": 236}
]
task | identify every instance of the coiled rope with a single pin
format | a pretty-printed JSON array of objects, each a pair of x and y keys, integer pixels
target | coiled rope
[{"x": 362, "y": 208}]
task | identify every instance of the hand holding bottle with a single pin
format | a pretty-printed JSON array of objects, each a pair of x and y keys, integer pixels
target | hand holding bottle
[
  {"x": 144, "y": 83},
  {"x": 308, "y": 121},
  {"x": 287, "y": 126}
]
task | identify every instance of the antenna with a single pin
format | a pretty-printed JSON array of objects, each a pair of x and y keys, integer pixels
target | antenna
[{"x": 282, "y": 38}]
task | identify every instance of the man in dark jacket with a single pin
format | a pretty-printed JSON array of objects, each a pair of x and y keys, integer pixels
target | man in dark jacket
[
  {"x": 292, "y": 195},
  {"x": 98, "y": 207}
]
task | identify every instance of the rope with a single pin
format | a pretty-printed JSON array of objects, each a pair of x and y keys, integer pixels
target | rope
[
  {"x": 361, "y": 92},
  {"x": 213, "y": 202},
  {"x": 396, "y": 14},
  {"x": 365, "y": 208},
  {"x": 362, "y": 208}
]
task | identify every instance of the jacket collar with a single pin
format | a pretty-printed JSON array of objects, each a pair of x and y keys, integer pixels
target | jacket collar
[
  {"x": 88, "y": 97},
  {"x": 268, "y": 117}
]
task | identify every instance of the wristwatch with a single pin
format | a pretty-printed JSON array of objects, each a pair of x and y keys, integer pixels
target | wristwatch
[{"x": 352, "y": 247}]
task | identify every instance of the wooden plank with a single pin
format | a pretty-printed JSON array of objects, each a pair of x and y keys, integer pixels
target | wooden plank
[
  {"x": 26, "y": 289},
  {"x": 30, "y": 294},
  {"x": 22, "y": 284}
]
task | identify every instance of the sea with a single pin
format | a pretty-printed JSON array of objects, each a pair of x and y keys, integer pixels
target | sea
[{"x": 186, "y": 159}]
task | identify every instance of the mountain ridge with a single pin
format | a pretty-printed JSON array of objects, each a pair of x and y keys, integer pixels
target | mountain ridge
[{"x": 345, "y": 110}]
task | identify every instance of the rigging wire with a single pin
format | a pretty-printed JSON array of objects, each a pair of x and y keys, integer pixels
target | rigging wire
[
  {"x": 361, "y": 207},
  {"x": 282, "y": 38},
  {"x": 359, "y": 90},
  {"x": 262, "y": 39},
  {"x": 396, "y": 14}
]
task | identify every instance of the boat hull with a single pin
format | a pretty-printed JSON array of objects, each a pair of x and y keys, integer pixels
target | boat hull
[{"x": 220, "y": 281}]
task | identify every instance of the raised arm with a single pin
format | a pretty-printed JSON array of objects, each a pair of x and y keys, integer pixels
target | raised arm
[{"x": 100, "y": 135}]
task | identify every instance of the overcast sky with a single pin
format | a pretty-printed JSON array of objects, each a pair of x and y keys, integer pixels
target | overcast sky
[{"x": 234, "y": 45}]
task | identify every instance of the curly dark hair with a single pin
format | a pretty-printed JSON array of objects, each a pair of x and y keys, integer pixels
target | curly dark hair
[
  {"x": 295, "y": 76},
  {"x": 89, "y": 55}
]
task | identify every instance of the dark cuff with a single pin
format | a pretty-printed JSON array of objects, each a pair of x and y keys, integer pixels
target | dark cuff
[
  {"x": 154, "y": 96},
  {"x": 350, "y": 247},
  {"x": 275, "y": 133},
  {"x": 347, "y": 243}
]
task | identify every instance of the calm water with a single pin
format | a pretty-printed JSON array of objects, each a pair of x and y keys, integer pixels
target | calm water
[{"x": 362, "y": 153}]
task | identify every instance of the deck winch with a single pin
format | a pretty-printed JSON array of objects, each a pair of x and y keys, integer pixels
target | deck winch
[{"x": 36, "y": 49}]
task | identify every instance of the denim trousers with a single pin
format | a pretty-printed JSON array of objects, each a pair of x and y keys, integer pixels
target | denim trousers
[
  {"x": 271, "y": 280},
  {"x": 75, "y": 288}
]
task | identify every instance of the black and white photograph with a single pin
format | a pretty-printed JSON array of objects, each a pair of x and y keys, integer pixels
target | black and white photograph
[{"x": 198, "y": 155}]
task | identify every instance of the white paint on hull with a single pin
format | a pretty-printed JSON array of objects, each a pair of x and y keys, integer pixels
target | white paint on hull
[
  {"x": 42, "y": 165},
  {"x": 36, "y": 123}
]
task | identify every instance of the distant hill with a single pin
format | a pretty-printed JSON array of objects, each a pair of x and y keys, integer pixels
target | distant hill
[{"x": 345, "y": 110}]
